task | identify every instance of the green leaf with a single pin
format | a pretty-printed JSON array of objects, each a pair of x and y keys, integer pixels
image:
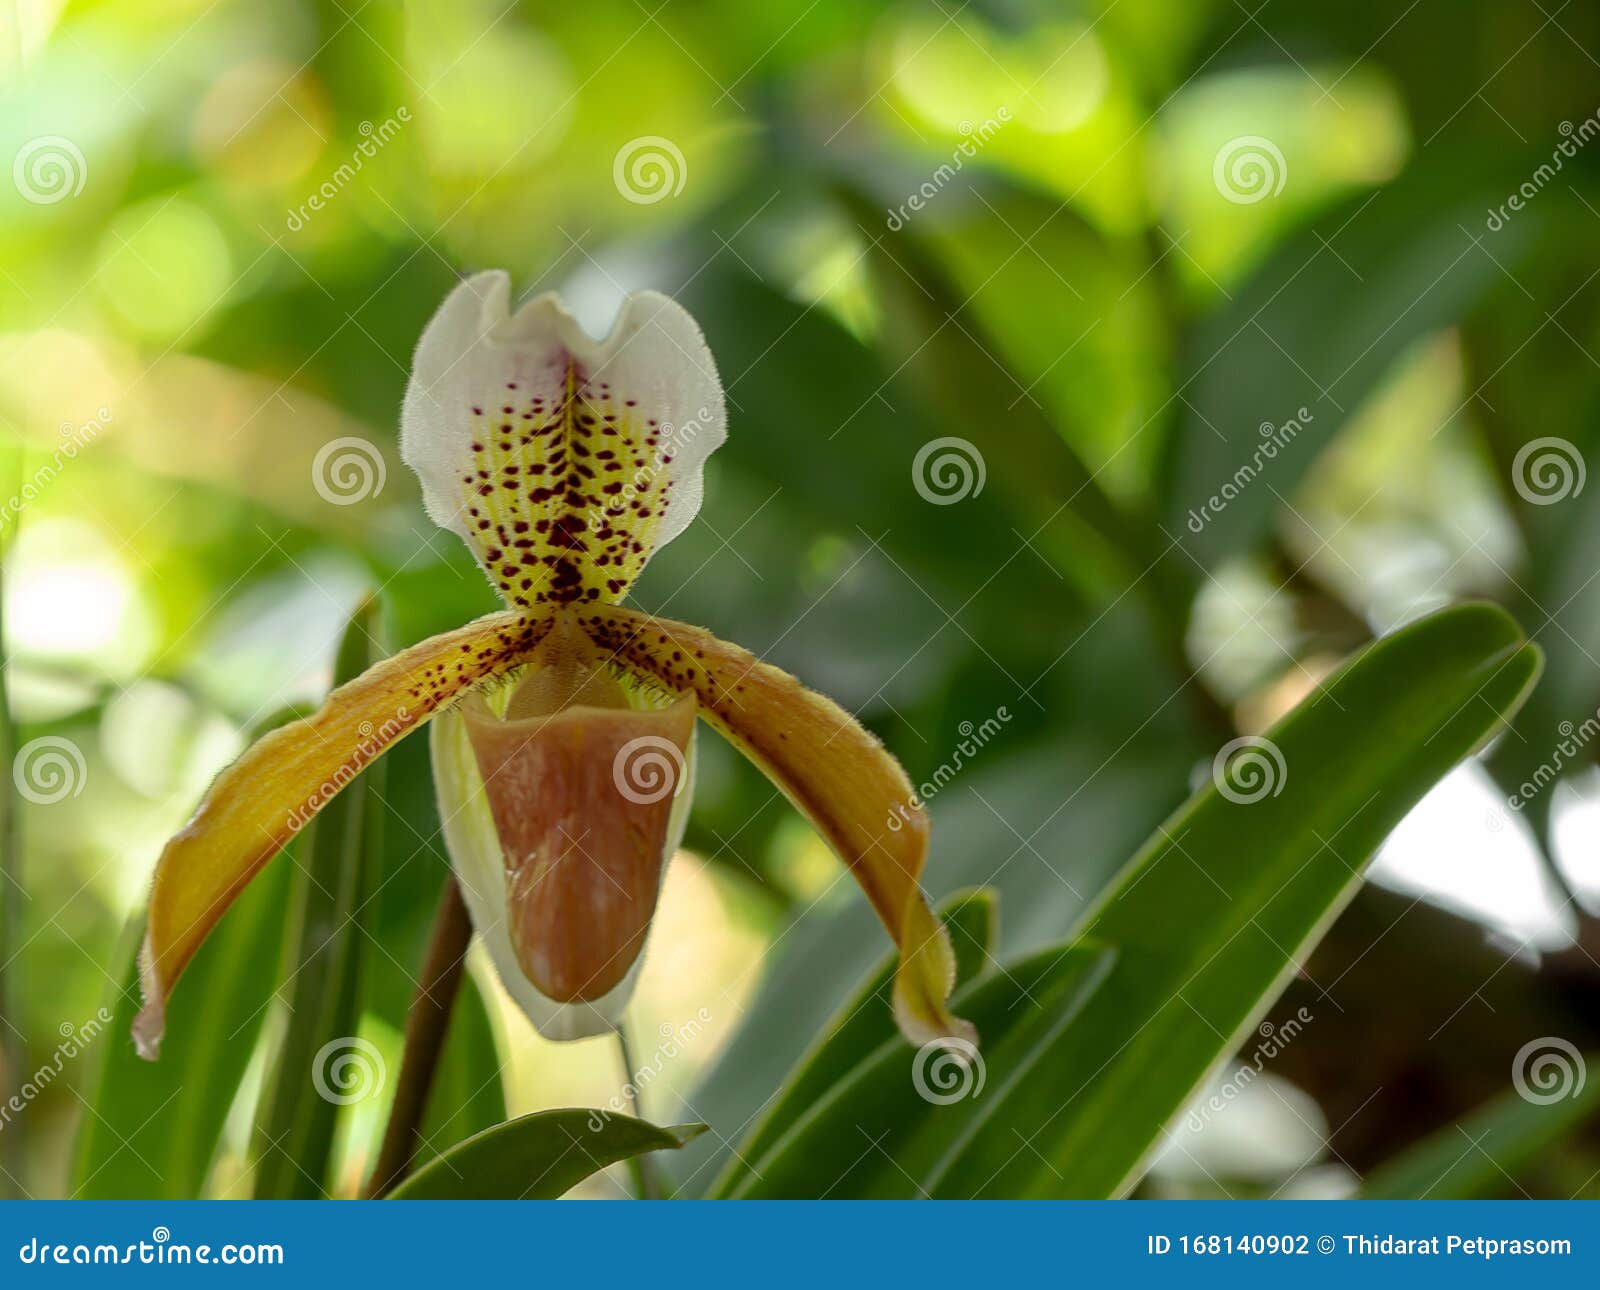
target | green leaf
[
  {"x": 864, "y": 1025},
  {"x": 1010, "y": 302},
  {"x": 466, "y": 1097},
  {"x": 1527, "y": 390},
  {"x": 840, "y": 436},
  {"x": 895, "y": 1125},
  {"x": 966, "y": 308},
  {"x": 1076, "y": 843},
  {"x": 1479, "y": 1156},
  {"x": 1219, "y": 908},
  {"x": 539, "y": 1157},
  {"x": 1316, "y": 329},
  {"x": 150, "y": 1129},
  {"x": 331, "y": 899}
]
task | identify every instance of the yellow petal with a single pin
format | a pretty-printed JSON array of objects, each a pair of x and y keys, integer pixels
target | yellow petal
[
  {"x": 841, "y": 778},
  {"x": 257, "y": 804}
]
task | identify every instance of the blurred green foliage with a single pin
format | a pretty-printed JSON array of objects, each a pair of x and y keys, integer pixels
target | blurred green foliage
[{"x": 1143, "y": 233}]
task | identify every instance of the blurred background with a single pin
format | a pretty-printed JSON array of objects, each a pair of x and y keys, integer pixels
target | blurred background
[{"x": 1099, "y": 375}]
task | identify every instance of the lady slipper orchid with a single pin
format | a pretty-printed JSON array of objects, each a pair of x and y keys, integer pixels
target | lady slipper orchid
[{"x": 563, "y": 735}]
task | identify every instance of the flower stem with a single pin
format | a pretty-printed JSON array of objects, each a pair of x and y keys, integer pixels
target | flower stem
[
  {"x": 646, "y": 1185},
  {"x": 426, "y": 1025}
]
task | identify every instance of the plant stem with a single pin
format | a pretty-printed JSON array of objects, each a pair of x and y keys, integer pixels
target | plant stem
[
  {"x": 426, "y": 1025},
  {"x": 645, "y": 1184}
]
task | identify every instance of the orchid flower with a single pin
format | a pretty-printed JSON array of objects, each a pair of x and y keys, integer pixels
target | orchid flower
[{"x": 563, "y": 728}]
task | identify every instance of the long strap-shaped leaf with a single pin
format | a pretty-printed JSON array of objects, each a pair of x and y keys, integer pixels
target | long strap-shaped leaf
[
  {"x": 331, "y": 899},
  {"x": 1219, "y": 908},
  {"x": 539, "y": 1157},
  {"x": 863, "y": 1026},
  {"x": 1479, "y": 1156},
  {"x": 151, "y": 1132},
  {"x": 903, "y": 1112}
]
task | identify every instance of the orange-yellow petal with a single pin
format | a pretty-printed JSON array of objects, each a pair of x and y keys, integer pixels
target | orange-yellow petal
[
  {"x": 258, "y": 803},
  {"x": 839, "y": 776}
]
